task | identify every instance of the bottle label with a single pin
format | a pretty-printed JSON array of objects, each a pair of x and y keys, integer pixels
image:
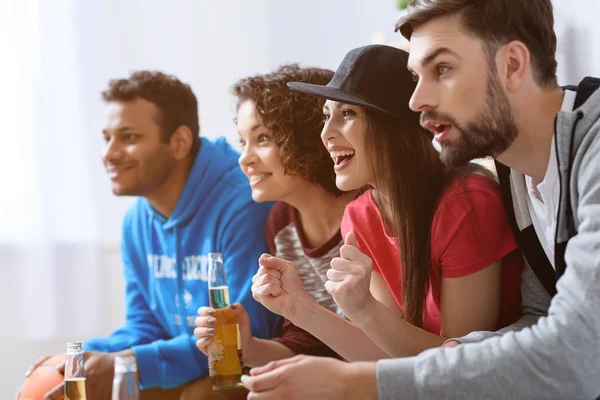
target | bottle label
[
  {"x": 223, "y": 354},
  {"x": 75, "y": 389}
]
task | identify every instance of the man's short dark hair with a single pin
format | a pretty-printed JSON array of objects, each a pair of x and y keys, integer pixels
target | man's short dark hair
[
  {"x": 497, "y": 22},
  {"x": 175, "y": 101}
]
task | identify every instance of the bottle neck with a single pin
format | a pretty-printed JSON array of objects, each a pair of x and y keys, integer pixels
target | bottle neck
[
  {"x": 125, "y": 382},
  {"x": 74, "y": 368},
  {"x": 125, "y": 365}
]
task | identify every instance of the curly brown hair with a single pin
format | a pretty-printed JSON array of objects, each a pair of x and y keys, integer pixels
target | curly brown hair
[
  {"x": 175, "y": 101},
  {"x": 294, "y": 119}
]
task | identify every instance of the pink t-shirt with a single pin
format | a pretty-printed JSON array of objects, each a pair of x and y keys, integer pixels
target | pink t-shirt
[{"x": 470, "y": 231}]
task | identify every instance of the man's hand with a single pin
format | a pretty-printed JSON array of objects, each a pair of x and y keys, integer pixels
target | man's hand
[
  {"x": 451, "y": 343},
  {"x": 36, "y": 364},
  {"x": 278, "y": 287},
  {"x": 99, "y": 373},
  {"x": 349, "y": 280},
  {"x": 305, "y": 377}
]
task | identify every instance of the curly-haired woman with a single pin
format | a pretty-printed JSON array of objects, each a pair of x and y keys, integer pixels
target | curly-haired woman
[{"x": 284, "y": 160}]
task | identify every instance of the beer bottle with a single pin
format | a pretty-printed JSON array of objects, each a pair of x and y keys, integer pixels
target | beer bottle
[
  {"x": 224, "y": 354},
  {"x": 74, "y": 373},
  {"x": 125, "y": 382}
]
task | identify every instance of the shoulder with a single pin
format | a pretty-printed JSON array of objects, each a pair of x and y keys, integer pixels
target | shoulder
[
  {"x": 471, "y": 182},
  {"x": 233, "y": 195},
  {"x": 235, "y": 179},
  {"x": 586, "y": 154},
  {"x": 357, "y": 211},
  {"x": 469, "y": 188},
  {"x": 361, "y": 215},
  {"x": 281, "y": 215},
  {"x": 135, "y": 217},
  {"x": 217, "y": 164},
  {"x": 361, "y": 206},
  {"x": 237, "y": 211},
  {"x": 469, "y": 197}
]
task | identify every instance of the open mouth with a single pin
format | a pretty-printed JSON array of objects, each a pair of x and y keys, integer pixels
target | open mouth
[
  {"x": 439, "y": 128},
  {"x": 440, "y": 131},
  {"x": 342, "y": 157}
]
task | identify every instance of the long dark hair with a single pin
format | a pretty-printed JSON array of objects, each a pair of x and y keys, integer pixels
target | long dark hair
[{"x": 410, "y": 178}]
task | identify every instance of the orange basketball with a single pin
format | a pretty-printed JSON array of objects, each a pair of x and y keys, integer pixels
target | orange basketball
[{"x": 42, "y": 379}]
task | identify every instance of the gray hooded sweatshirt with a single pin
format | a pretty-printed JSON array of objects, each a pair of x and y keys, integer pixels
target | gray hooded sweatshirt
[{"x": 556, "y": 356}]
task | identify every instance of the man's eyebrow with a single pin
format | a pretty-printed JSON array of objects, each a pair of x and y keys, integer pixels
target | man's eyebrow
[
  {"x": 435, "y": 53},
  {"x": 121, "y": 129}
]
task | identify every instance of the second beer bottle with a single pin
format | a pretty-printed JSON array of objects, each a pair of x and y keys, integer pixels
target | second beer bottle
[
  {"x": 74, "y": 373},
  {"x": 224, "y": 354}
]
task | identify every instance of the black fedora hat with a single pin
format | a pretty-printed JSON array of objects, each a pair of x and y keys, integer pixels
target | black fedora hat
[{"x": 374, "y": 76}]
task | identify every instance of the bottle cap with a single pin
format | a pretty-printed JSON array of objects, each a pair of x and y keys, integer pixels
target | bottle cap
[
  {"x": 215, "y": 256},
  {"x": 125, "y": 364},
  {"x": 73, "y": 346}
]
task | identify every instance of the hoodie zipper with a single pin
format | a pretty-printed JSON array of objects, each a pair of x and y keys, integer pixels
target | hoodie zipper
[{"x": 559, "y": 262}]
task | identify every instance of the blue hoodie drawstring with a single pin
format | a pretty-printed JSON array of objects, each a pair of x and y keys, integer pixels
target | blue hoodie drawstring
[
  {"x": 151, "y": 266},
  {"x": 180, "y": 291}
]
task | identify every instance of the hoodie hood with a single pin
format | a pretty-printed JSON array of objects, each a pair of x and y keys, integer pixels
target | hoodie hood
[{"x": 214, "y": 162}]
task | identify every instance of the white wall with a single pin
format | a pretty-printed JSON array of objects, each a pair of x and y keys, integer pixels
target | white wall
[
  {"x": 578, "y": 33},
  {"x": 319, "y": 33}
]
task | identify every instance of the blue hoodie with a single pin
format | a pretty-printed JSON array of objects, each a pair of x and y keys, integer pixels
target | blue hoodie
[{"x": 165, "y": 268}]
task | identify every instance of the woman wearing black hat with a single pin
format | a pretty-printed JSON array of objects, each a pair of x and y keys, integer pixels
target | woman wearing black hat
[{"x": 444, "y": 260}]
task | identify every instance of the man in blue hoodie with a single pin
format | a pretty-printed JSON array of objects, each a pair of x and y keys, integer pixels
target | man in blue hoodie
[{"x": 192, "y": 200}]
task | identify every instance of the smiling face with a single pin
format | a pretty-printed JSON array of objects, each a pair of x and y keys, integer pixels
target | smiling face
[
  {"x": 344, "y": 137},
  {"x": 459, "y": 92},
  {"x": 136, "y": 159},
  {"x": 261, "y": 159}
]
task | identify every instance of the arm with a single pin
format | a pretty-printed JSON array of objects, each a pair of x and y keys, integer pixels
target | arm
[
  {"x": 141, "y": 327},
  {"x": 304, "y": 377},
  {"x": 263, "y": 351},
  {"x": 535, "y": 303},
  {"x": 468, "y": 303},
  {"x": 299, "y": 341},
  {"x": 353, "y": 344},
  {"x": 555, "y": 358},
  {"x": 162, "y": 360},
  {"x": 471, "y": 302},
  {"x": 364, "y": 344},
  {"x": 278, "y": 287}
]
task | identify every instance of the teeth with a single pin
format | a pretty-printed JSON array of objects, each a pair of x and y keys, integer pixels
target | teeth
[
  {"x": 438, "y": 125},
  {"x": 335, "y": 154},
  {"x": 254, "y": 178}
]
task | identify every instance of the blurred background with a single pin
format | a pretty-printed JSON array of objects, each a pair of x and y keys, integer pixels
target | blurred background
[{"x": 60, "y": 271}]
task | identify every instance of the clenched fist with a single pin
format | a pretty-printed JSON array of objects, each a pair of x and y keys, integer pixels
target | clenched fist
[
  {"x": 278, "y": 286},
  {"x": 349, "y": 280}
]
